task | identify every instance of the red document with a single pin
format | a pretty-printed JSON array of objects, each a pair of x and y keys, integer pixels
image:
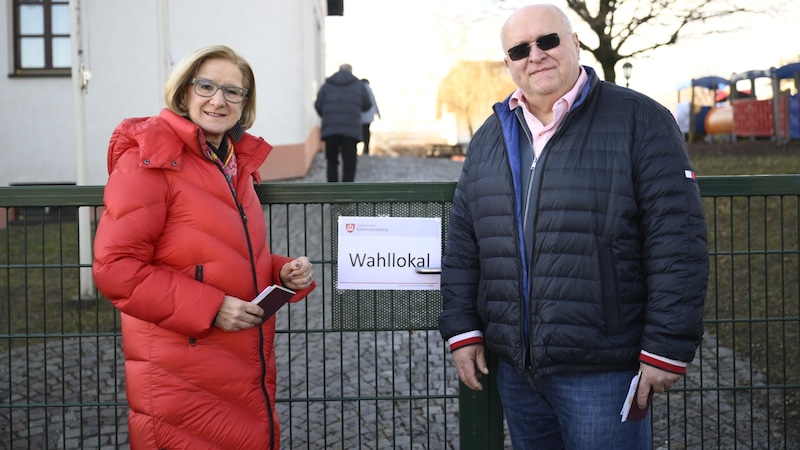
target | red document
[
  {"x": 630, "y": 409},
  {"x": 272, "y": 298}
]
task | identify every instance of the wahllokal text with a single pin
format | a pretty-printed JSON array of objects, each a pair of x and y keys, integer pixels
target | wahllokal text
[{"x": 389, "y": 260}]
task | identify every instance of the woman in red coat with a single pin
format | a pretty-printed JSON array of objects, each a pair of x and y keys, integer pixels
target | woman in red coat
[{"x": 181, "y": 249}]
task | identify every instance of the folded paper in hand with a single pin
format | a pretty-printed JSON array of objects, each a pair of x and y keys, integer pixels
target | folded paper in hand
[
  {"x": 272, "y": 298},
  {"x": 630, "y": 409}
]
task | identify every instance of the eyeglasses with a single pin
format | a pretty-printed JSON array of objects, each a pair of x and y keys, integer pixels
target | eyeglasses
[
  {"x": 544, "y": 43},
  {"x": 207, "y": 88}
]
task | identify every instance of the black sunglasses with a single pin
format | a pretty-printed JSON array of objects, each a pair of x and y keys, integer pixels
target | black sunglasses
[{"x": 545, "y": 43}]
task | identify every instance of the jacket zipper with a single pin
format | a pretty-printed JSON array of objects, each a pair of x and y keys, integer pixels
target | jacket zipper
[
  {"x": 262, "y": 358},
  {"x": 529, "y": 360},
  {"x": 528, "y": 198},
  {"x": 528, "y": 344}
]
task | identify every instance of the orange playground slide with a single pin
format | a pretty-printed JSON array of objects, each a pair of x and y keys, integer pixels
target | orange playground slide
[{"x": 719, "y": 120}]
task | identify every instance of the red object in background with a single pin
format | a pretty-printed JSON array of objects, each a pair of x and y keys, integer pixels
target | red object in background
[
  {"x": 722, "y": 96},
  {"x": 754, "y": 118}
]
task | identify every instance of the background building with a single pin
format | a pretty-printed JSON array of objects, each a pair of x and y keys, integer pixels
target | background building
[{"x": 128, "y": 50}]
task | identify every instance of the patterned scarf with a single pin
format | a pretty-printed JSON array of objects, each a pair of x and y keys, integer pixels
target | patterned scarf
[{"x": 228, "y": 165}]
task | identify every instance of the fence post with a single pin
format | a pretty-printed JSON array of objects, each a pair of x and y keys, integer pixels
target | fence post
[{"x": 481, "y": 414}]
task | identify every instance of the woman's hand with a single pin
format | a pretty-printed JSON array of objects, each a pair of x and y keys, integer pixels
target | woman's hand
[
  {"x": 236, "y": 314},
  {"x": 297, "y": 275}
]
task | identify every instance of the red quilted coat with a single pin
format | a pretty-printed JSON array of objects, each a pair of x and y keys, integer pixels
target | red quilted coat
[{"x": 172, "y": 241}]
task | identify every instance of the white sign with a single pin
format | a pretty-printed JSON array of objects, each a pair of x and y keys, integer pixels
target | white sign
[{"x": 381, "y": 253}]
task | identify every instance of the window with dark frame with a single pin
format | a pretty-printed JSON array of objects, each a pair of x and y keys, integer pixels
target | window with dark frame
[{"x": 42, "y": 43}]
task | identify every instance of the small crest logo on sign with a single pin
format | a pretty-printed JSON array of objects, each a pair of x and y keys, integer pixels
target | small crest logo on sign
[{"x": 350, "y": 227}]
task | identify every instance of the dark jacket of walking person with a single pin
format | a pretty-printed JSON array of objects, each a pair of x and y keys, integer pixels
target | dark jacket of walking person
[
  {"x": 180, "y": 251},
  {"x": 576, "y": 250},
  {"x": 340, "y": 102}
]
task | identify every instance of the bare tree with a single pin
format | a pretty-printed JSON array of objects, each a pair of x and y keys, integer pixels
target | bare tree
[
  {"x": 470, "y": 90},
  {"x": 626, "y": 28}
]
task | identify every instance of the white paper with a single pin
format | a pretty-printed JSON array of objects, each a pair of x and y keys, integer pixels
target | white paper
[
  {"x": 386, "y": 253},
  {"x": 630, "y": 398}
]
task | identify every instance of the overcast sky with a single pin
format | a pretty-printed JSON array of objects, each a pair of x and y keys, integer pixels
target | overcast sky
[{"x": 406, "y": 48}]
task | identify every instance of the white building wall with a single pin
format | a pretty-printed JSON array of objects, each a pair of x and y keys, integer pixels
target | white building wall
[{"x": 130, "y": 47}]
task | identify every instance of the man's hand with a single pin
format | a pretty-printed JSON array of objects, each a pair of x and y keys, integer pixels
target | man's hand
[
  {"x": 236, "y": 314},
  {"x": 657, "y": 379},
  {"x": 471, "y": 364}
]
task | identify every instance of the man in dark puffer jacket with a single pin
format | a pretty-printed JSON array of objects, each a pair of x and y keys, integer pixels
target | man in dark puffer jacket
[
  {"x": 576, "y": 249},
  {"x": 340, "y": 102}
]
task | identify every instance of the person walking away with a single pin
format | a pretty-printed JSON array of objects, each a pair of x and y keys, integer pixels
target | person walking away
[
  {"x": 181, "y": 249},
  {"x": 368, "y": 116},
  {"x": 576, "y": 248},
  {"x": 339, "y": 103}
]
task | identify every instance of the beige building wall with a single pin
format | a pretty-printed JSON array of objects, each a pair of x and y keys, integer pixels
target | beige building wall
[{"x": 130, "y": 47}]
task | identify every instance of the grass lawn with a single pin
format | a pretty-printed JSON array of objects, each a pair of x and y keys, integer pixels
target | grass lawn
[
  {"x": 745, "y": 157},
  {"x": 754, "y": 265},
  {"x": 38, "y": 292}
]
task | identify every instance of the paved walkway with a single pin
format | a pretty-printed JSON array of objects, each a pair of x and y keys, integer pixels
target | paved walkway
[{"x": 352, "y": 366}]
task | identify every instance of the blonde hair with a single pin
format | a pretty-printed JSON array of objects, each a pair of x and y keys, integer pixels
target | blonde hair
[{"x": 183, "y": 73}]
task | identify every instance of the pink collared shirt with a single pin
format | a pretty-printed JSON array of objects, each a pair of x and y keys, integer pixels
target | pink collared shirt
[{"x": 542, "y": 133}]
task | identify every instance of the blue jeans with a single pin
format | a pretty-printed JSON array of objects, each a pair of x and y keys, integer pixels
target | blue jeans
[{"x": 570, "y": 411}]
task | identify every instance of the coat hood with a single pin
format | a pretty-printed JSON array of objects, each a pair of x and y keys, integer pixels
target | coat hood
[
  {"x": 162, "y": 140},
  {"x": 342, "y": 78}
]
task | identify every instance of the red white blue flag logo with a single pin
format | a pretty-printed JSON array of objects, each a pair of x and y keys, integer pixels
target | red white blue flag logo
[{"x": 690, "y": 175}]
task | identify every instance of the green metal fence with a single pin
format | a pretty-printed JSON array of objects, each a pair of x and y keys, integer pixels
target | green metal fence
[{"x": 388, "y": 382}]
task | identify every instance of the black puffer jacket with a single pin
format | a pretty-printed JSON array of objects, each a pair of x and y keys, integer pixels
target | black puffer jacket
[
  {"x": 621, "y": 259},
  {"x": 340, "y": 102}
]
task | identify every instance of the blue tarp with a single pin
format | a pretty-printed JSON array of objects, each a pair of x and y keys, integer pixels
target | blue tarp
[
  {"x": 710, "y": 82},
  {"x": 794, "y": 116},
  {"x": 787, "y": 71},
  {"x": 719, "y": 83},
  {"x": 751, "y": 75}
]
